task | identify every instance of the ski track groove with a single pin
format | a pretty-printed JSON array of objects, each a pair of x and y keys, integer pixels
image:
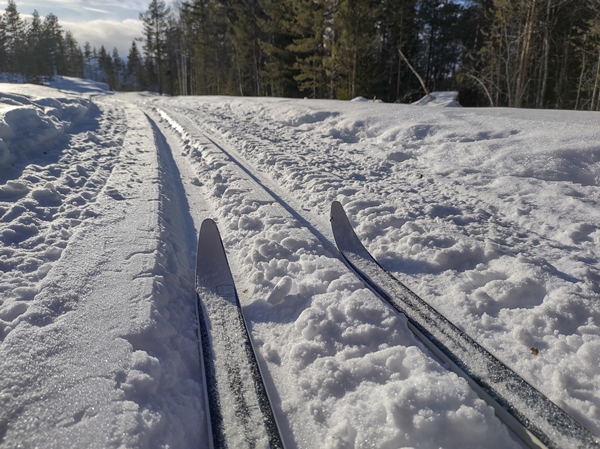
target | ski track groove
[
  {"x": 247, "y": 145},
  {"x": 191, "y": 136}
]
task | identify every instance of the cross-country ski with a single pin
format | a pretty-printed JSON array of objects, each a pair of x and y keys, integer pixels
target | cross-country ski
[{"x": 240, "y": 413}]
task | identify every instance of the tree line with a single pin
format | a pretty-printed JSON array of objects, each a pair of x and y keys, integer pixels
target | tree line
[
  {"x": 37, "y": 49},
  {"x": 518, "y": 53}
]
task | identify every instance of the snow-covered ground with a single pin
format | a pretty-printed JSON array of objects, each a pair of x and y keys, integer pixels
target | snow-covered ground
[{"x": 491, "y": 215}]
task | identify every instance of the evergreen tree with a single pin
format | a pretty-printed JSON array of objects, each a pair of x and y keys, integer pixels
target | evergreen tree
[
  {"x": 87, "y": 61},
  {"x": 205, "y": 35},
  {"x": 155, "y": 35},
  {"x": 309, "y": 27},
  {"x": 135, "y": 69},
  {"x": 73, "y": 63},
  {"x": 3, "y": 46},
  {"x": 95, "y": 67},
  {"x": 355, "y": 48},
  {"x": 53, "y": 44},
  {"x": 36, "y": 69},
  {"x": 118, "y": 70},
  {"x": 105, "y": 67},
  {"x": 15, "y": 37}
]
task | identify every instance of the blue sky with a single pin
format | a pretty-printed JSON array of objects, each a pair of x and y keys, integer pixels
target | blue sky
[{"x": 110, "y": 23}]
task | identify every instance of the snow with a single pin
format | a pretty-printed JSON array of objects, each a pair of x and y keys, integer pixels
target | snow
[
  {"x": 439, "y": 99},
  {"x": 82, "y": 86},
  {"x": 490, "y": 215}
]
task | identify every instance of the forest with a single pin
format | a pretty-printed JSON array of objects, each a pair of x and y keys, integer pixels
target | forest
[{"x": 515, "y": 53}]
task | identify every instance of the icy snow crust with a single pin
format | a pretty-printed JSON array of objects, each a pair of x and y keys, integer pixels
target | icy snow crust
[{"x": 490, "y": 215}]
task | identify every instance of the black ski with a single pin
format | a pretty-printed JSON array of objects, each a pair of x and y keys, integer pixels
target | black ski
[
  {"x": 240, "y": 413},
  {"x": 530, "y": 414}
]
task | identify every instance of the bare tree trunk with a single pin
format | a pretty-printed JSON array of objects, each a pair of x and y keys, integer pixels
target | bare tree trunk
[
  {"x": 487, "y": 92},
  {"x": 400, "y": 59},
  {"x": 580, "y": 76},
  {"x": 592, "y": 107},
  {"x": 542, "y": 94},
  {"x": 563, "y": 73},
  {"x": 353, "y": 82},
  {"x": 416, "y": 74},
  {"x": 525, "y": 55}
]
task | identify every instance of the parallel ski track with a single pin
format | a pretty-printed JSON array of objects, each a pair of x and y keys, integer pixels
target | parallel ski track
[
  {"x": 319, "y": 228},
  {"x": 190, "y": 130},
  {"x": 540, "y": 423},
  {"x": 237, "y": 402}
]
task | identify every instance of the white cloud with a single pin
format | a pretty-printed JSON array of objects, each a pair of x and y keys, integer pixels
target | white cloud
[{"x": 110, "y": 33}]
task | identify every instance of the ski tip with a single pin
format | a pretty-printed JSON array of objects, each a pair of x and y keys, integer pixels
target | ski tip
[
  {"x": 337, "y": 209},
  {"x": 210, "y": 255},
  {"x": 208, "y": 225}
]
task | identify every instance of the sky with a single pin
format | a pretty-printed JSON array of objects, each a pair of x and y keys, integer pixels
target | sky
[{"x": 110, "y": 23}]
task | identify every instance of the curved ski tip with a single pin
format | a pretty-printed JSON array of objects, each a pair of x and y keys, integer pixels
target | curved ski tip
[
  {"x": 337, "y": 208},
  {"x": 208, "y": 222},
  {"x": 209, "y": 238},
  {"x": 208, "y": 225}
]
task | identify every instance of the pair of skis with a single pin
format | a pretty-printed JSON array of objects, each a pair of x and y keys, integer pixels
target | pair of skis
[{"x": 234, "y": 383}]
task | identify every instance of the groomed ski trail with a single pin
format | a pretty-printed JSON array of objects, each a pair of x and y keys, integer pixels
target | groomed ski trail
[
  {"x": 257, "y": 247},
  {"x": 139, "y": 296},
  {"x": 429, "y": 229}
]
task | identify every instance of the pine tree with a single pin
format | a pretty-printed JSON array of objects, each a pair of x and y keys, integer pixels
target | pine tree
[
  {"x": 105, "y": 67},
  {"x": 72, "y": 57},
  {"x": 155, "y": 34},
  {"x": 279, "y": 60},
  {"x": 309, "y": 27},
  {"x": 36, "y": 69},
  {"x": 135, "y": 69},
  {"x": 95, "y": 68},
  {"x": 3, "y": 46},
  {"x": 53, "y": 44},
  {"x": 15, "y": 36},
  {"x": 118, "y": 69},
  {"x": 355, "y": 49},
  {"x": 87, "y": 61},
  {"x": 205, "y": 26}
]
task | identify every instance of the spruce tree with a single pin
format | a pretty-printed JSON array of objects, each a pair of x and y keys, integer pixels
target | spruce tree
[
  {"x": 309, "y": 27},
  {"x": 53, "y": 44},
  {"x": 36, "y": 69},
  {"x": 155, "y": 35},
  {"x": 15, "y": 36},
  {"x": 135, "y": 69}
]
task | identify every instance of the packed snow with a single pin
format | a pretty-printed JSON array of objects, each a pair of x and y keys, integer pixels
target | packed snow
[{"x": 490, "y": 215}]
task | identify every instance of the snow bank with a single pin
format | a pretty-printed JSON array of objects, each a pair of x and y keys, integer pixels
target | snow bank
[
  {"x": 439, "y": 99},
  {"x": 79, "y": 85},
  {"x": 30, "y": 125}
]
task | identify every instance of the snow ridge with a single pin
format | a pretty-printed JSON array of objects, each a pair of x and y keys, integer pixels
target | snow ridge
[{"x": 135, "y": 373}]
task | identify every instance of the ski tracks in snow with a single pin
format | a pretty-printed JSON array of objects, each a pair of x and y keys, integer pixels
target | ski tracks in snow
[
  {"x": 444, "y": 233},
  {"x": 338, "y": 363},
  {"x": 111, "y": 356}
]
